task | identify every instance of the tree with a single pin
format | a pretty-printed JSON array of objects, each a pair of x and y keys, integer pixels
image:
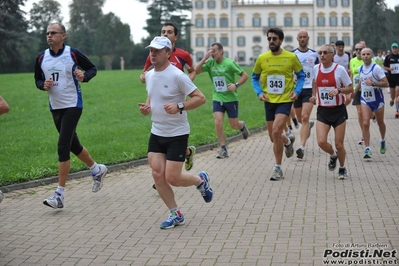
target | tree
[
  {"x": 13, "y": 37},
  {"x": 164, "y": 11},
  {"x": 85, "y": 16},
  {"x": 113, "y": 41},
  {"x": 41, "y": 15}
]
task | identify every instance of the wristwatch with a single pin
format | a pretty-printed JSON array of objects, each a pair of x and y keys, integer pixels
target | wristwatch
[
  {"x": 339, "y": 90},
  {"x": 237, "y": 84},
  {"x": 373, "y": 84},
  {"x": 180, "y": 105}
]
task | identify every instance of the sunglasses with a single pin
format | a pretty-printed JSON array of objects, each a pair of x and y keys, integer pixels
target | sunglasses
[
  {"x": 272, "y": 38},
  {"x": 358, "y": 49},
  {"x": 324, "y": 52},
  {"x": 52, "y": 33}
]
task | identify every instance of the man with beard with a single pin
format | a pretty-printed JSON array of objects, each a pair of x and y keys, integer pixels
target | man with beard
[
  {"x": 372, "y": 80},
  {"x": 303, "y": 107},
  {"x": 278, "y": 91}
]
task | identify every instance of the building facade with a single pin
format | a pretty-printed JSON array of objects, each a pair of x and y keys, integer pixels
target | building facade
[{"x": 241, "y": 25}]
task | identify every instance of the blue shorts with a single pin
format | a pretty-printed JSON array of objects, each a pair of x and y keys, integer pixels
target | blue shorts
[
  {"x": 271, "y": 109},
  {"x": 379, "y": 100},
  {"x": 231, "y": 108}
]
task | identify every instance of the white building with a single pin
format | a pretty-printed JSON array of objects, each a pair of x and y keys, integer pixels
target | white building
[{"x": 240, "y": 25}]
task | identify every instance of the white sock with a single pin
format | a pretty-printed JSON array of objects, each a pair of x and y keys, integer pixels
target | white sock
[
  {"x": 95, "y": 168},
  {"x": 60, "y": 190}
]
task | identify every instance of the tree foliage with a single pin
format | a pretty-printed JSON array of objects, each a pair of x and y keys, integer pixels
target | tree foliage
[
  {"x": 13, "y": 37},
  {"x": 169, "y": 11}
]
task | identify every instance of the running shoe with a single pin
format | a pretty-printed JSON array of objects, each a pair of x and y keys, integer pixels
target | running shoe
[
  {"x": 188, "y": 164},
  {"x": 277, "y": 174},
  {"x": 383, "y": 147},
  {"x": 333, "y": 163},
  {"x": 222, "y": 154},
  {"x": 205, "y": 189},
  {"x": 397, "y": 114},
  {"x": 391, "y": 103},
  {"x": 172, "y": 221},
  {"x": 299, "y": 153},
  {"x": 56, "y": 201},
  {"x": 342, "y": 173},
  {"x": 367, "y": 154},
  {"x": 98, "y": 179},
  {"x": 244, "y": 131},
  {"x": 361, "y": 142},
  {"x": 289, "y": 150}
]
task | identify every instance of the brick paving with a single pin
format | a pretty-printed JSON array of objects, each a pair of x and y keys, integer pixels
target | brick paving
[{"x": 251, "y": 220}]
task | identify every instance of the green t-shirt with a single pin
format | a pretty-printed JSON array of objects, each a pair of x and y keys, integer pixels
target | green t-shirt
[{"x": 221, "y": 75}]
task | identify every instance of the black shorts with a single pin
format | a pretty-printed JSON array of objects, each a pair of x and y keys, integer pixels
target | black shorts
[
  {"x": 356, "y": 99},
  {"x": 334, "y": 116},
  {"x": 303, "y": 97},
  {"x": 393, "y": 81},
  {"x": 230, "y": 107},
  {"x": 173, "y": 147}
]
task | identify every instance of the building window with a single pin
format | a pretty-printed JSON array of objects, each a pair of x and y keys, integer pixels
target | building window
[
  {"x": 224, "y": 22},
  {"x": 199, "y": 22},
  {"x": 304, "y": 21},
  {"x": 240, "y": 22},
  {"x": 256, "y": 39},
  {"x": 333, "y": 39},
  {"x": 321, "y": 40},
  {"x": 345, "y": 3},
  {"x": 211, "y": 22},
  {"x": 346, "y": 21},
  {"x": 272, "y": 22},
  {"x": 240, "y": 41},
  {"x": 287, "y": 22},
  {"x": 226, "y": 53},
  {"x": 256, "y": 22},
  {"x": 211, "y": 40},
  {"x": 199, "y": 56},
  {"x": 199, "y": 4},
  {"x": 211, "y": 4},
  {"x": 199, "y": 41},
  {"x": 225, "y": 4},
  {"x": 224, "y": 41},
  {"x": 320, "y": 2},
  {"x": 288, "y": 39},
  {"x": 241, "y": 56},
  {"x": 333, "y": 21},
  {"x": 347, "y": 40},
  {"x": 321, "y": 21},
  {"x": 333, "y": 3}
]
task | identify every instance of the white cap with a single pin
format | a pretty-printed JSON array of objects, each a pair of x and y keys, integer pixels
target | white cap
[{"x": 160, "y": 42}]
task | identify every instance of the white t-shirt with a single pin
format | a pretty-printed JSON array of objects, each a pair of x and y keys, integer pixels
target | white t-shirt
[
  {"x": 308, "y": 60},
  {"x": 168, "y": 86},
  {"x": 342, "y": 60}
]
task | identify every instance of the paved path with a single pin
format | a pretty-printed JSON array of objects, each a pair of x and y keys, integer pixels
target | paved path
[{"x": 251, "y": 220}]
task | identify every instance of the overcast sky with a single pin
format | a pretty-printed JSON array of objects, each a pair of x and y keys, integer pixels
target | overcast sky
[{"x": 130, "y": 12}]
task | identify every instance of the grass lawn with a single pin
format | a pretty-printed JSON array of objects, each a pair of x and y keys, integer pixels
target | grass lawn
[{"x": 111, "y": 126}]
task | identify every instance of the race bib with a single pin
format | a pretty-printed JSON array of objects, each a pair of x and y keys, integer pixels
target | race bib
[
  {"x": 220, "y": 83},
  {"x": 308, "y": 73},
  {"x": 276, "y": 84},
  {"x": 325, "y": 99},
  {"x": 368, "y": 93},
  {"x": 395, "y": 68}
]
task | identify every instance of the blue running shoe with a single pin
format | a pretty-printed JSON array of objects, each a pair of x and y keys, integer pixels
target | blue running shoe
[
  {"x": 383, "y": 148},
  {"x": 56, "y": 201},
  {"x": 205, "y": 189},
  {"x": 172, "y": 221}
]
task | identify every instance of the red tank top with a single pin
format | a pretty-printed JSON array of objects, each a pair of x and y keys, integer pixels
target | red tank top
[{"x": 325, "y": 82}]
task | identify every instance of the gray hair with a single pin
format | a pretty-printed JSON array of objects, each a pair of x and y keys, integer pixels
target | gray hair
[{"x": 330, "y": 47}]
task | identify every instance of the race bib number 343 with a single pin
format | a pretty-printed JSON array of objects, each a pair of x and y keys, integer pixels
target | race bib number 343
[{"x": 276, "y": 84}]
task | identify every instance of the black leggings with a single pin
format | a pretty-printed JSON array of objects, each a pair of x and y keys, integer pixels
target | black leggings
[{"x": 66, "y": 121}]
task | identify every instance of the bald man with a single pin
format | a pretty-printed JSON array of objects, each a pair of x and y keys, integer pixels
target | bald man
[{"x": 303, "y": 107}]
